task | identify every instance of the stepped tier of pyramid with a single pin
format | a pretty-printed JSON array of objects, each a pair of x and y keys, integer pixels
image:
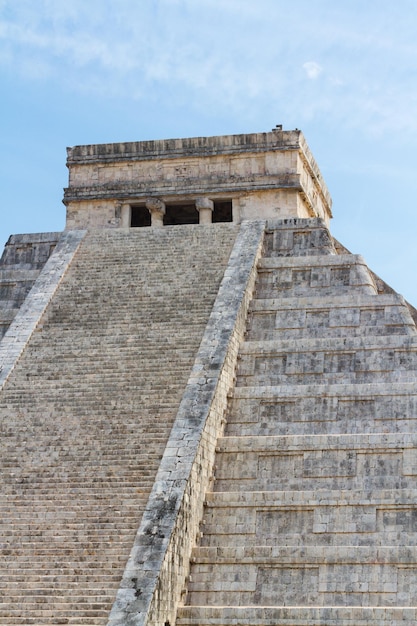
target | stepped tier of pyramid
[
  {"x": 208, "y": 406},
  {"x": 311, "y": 518}
]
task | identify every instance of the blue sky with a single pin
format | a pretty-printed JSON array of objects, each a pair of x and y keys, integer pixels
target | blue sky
[{"x": 97, "y": 71}]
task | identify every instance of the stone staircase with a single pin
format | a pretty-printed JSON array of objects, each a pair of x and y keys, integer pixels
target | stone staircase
[
  {"x": 20, "y": 265},
  {"x": 86, "y": 413},
  {"x": 312, "y": 519}
]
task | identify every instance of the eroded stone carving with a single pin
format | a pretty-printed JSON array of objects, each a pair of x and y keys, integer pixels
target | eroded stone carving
[
  {"x": 157, "y": 210},
  {"x": 205, "y": 208}
]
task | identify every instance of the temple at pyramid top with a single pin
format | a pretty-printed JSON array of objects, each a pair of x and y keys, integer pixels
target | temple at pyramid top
[{"x": 228, "y": 178}]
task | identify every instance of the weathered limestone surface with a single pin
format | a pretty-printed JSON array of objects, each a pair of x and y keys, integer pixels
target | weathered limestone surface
[
  {"x": 265, "y": 175},
  {"x": 87, "y": 410},
  {"x": 124, "y": 348},
  {"x": 22, "y": 260},
  {"x": 312, "y": 515},
  {"x": 152, "y": 584}
]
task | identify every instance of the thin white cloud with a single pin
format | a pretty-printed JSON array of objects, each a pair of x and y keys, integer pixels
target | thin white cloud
[{"x": 312, "y": 69}]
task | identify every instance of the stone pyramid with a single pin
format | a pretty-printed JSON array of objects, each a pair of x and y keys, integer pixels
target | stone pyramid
[{"x": 207, "y": 404}]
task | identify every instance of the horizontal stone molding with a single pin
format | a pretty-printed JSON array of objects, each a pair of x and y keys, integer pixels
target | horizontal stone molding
[
  {"x": 31, "y": 238},
  {"x": 341, "y": 390},
  {"x": 194, "y": 146},
  {"x": 296, "y": 443},
  {"x": 279, "y": 556},
  {"x": 332, "y": 497},
  {"x": 230, "y": 185}
]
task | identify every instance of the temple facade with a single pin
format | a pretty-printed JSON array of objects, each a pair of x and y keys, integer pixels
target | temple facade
[{"x": 190, "y": 181}]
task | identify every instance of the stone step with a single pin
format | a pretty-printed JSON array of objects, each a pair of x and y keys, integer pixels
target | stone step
[
  {"x": 321, "y": 409},
  {"x": 66, "y": 555},
  {"x": 350, "y": 359},
  {"x": 337, "y": 576},
  {"x": 392, "y": 302},
  {"x": 297, "y": 443},
  {"x": 295, "y": 318},
  {"x": 42, "y": 611},
  {"x": 324, "y": 344},
  {"x": 294, "y": 238},
  {"x": 330, "y": 497},
  {"x": 51, "y": 621},
  {"x": 84, "y": 583},
  {"x": 288, "y": 518},
  {"x": 295, "y": 616},
  {"x": 42, "y": 541},
  {"x": 320, "y": 462},
  {"x": 307, "y": 276},
  {"x": 43, "y": 615},
  {"x": 70, "y": 582},
  {"x": 357, "y": 443},
  {"x": 74, "y": 619},
  {"x": 251, "y": 556}
]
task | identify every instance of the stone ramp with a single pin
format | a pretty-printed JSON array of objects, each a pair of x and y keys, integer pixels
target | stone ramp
[
  {"x": 86, "y": 413},
  {"x": 312, "y": 515}
]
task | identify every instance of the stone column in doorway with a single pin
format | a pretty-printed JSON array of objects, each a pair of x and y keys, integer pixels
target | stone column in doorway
[
  {"x": 156, "y": 208},
  {"x": 205, "y": 208},
  {"x": 125, "y": 215}
]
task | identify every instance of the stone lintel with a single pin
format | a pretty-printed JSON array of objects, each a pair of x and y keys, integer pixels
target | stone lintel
[{"x": 185, "y": 187}]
